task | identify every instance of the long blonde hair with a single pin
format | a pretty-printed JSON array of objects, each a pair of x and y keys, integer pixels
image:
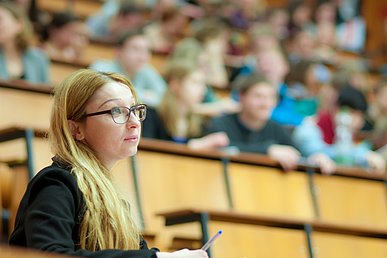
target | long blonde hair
[
  {"x": 178, "y": 71},
  {"x": 107, "y": 222}
]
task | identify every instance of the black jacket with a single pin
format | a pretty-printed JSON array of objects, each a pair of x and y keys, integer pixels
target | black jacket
[{"x": 50, "y": 213}]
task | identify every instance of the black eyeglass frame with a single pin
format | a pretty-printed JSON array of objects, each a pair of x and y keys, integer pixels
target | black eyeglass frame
[{"x": 130, "y": 109}]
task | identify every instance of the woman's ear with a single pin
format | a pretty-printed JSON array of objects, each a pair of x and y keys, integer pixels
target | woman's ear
[{"x": 75, "y": 130}]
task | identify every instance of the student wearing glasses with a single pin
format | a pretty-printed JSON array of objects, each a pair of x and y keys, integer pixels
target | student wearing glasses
[{"x": 72, "y": 206}]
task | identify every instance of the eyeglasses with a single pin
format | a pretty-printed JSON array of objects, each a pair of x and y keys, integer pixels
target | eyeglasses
[{"x": 121, "y": 115}]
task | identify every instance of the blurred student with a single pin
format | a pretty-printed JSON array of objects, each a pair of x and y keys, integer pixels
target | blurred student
[
  {"x": 334, "y": 132},
  {"x": 176, "y": 118},
  {"x": 72, "y": 206},
  {"x": 272, "y": 63},
  {"x": 377, "y": 112},
  {"x": 164, "y": 32},
  {"x": 19, "y": 60},
  {"x": 190, "y": 50},
  {"x": 252, "y": 130},
  {"x": 65, "y": 37},
  {"x": 213, "y": 34},
  {"x": 116, "y": 17},
  {"x": 133, "y": 59}
]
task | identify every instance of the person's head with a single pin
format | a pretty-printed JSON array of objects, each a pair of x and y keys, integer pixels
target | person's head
[
  {"x": 278, "y": 19},
  {"x": 14, "y": 26},
  {"x": 311, "y": 75},
  {"x": 67, "y": 30},
  {"x": 130, "y": 16},
  {"x": 91, "y": 144},
  {"x": 190, "y": 50},
  {"x": 186, "y": 82},
  {"x": 325, "y": 12},
  {"x": 257, "y": 97},
  {"x": 186, "y": 89},
  {"x": 133, "y": 51},
  {"x": 354, "y": 101},
  {"x": 262, "y": 37},
  {"x": 104, "y": 137},
  {"x": 273, "y": 64},
  {"x": 303, "y": 44},
  {"x": 213, "y": 29},
  {"x": 300, "y": 13},
  {"x": 173, "y": 21}
]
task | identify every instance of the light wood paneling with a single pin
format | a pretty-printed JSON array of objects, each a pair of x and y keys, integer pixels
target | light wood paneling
[
  {"x": 328, "y": 245},
  {"x": 257, "y": 241},
  {"x": 270, "y": 191},
  {"x": 24, "y": 108},
  {"x": 170, "y": 181},
  {"x": 352, "y": 201}
]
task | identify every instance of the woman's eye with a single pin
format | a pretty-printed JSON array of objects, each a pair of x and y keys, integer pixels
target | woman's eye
[{"x": 116, "y": 111}]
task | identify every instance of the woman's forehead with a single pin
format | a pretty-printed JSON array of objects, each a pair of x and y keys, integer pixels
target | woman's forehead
[{"x": 112, "y": 90}]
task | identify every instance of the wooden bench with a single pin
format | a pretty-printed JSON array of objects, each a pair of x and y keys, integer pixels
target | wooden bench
[{"x": 83, "y": 8}]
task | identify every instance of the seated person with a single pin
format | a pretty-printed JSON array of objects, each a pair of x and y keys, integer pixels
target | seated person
[
  {"x": 272, "y": 63},
  {"x": 166, "y": 31},
  {"x": 191, "y": 50},
  {"x": 252, "y": 130},
  {"x": 65, "y": 37},
  {"x": 115, "y": 17},
  {"x": 176, "y": 119},
  {"x": 18, "y": 58},
  {"x": 378, "y": 111},
  {"x": 334, "y": 132},
  {"x": 133, "y": 60}
]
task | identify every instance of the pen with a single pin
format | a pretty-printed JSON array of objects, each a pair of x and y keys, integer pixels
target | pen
[{"x": 211, "y": 241}]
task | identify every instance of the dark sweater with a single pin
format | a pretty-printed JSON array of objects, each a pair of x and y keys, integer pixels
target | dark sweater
[
  {"x": 50, "y": 213},
  {"x": 248, "y": 140}
]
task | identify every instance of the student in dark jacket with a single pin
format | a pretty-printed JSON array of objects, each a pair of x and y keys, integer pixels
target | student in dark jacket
[
  {"x": 252, "y": 130},
  {"x": 72, "y": 206}
]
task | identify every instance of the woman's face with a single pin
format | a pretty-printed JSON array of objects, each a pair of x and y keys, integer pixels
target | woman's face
[
  {"x": 109, "y": 140},
  {"x": 10, "y": 27},
  {"x": 192, "y": 89}
]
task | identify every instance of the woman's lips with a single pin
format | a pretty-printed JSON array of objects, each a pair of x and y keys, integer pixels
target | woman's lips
[{"x": 131, "y": 138}]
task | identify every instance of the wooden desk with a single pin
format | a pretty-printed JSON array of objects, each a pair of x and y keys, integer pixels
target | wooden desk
[{"x": 365, "y": 237}]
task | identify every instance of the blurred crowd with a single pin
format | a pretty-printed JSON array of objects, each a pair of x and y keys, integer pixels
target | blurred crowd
[{"x": 240, "y": 76}]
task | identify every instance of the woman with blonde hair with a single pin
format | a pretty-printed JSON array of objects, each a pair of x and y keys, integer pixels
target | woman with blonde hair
[
  {"x": 18, "y": 59},
  {"x": 72, "y": 206},
  {"x": 177, "y": 118}
]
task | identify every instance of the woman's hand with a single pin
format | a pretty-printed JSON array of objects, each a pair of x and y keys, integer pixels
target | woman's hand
[{"x": 184, "y": 253}]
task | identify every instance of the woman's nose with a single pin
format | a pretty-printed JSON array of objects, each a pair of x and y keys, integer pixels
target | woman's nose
[{"x": 133, "y": 121}]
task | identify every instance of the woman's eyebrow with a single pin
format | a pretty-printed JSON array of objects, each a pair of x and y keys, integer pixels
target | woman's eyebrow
[
  {"x": 133, "y": 102},
  {"x": 107, "y": 102}
]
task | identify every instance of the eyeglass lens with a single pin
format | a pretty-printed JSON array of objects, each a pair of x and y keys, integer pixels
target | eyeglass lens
[{"x": 121, "y": 114}]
